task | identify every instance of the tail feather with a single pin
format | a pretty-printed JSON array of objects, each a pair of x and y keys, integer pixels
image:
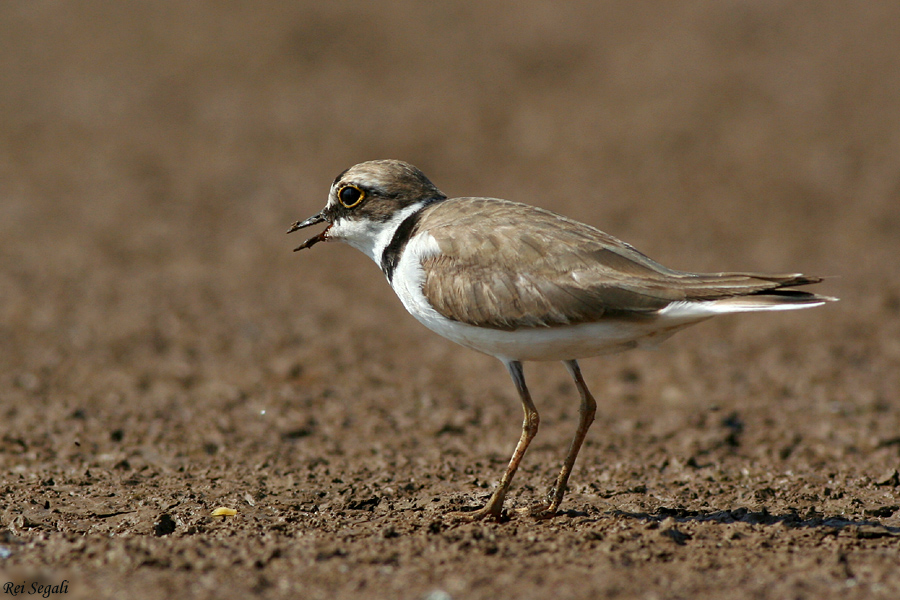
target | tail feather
[
  {"x": 771, "y": 300},
  {"x": 712, "y": 286},
  {"x": 746, "y": 292}
]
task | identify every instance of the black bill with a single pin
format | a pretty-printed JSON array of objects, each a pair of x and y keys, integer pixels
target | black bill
[{"x": 313, "y": 220}]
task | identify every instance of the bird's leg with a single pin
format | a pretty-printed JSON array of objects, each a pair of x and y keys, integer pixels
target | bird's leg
[
  {"x": 585, "y": 418},
  {"x": 494, "y": 506}
]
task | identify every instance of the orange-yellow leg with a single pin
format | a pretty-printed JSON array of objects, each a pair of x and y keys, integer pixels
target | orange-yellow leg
[
  {"x": 586, "y": 417},
  {"x": 494, "y": 507}
]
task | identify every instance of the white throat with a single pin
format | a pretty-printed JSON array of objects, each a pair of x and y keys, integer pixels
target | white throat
[{"x": 371, "y": 237}]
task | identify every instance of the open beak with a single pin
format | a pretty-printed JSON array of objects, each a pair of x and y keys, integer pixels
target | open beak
[{"x": 317, "y": 218}]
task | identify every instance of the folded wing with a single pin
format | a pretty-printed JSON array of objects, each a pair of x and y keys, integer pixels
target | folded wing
[{"x": 555, "y": 271}]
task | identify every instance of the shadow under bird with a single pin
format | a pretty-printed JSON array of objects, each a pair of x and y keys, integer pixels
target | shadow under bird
[{"x": 522, "y": 283}]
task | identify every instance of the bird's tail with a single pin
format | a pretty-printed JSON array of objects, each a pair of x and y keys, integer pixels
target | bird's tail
[{"x": 721, "y": 293}]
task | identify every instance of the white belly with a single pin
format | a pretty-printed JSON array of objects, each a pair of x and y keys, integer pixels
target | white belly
[{"x": 553, "y": 343}]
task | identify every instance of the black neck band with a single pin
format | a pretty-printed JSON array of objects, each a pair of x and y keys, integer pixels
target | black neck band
[{"x": 391, "y": 254}]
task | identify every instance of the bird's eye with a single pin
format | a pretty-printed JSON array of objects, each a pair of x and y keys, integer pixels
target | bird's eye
[{"x": 350, "y": 196}]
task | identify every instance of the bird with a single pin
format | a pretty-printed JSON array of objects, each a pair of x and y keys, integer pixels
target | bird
[{"x": 522, "y": 283}]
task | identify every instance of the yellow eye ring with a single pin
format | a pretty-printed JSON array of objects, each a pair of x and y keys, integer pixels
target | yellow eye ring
[{"x": 350, "y": 195}]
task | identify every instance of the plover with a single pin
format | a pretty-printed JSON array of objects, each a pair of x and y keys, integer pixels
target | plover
[{"x": 522, "y": 283}]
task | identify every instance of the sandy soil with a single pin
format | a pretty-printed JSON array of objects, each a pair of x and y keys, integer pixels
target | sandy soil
[{"x": 163, "y": 353}]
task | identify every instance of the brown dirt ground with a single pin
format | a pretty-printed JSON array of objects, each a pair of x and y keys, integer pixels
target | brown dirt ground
[{"x": 163, "y": 353}]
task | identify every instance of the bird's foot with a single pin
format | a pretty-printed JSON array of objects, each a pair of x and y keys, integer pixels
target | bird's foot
[
  {"x": 541, "y": 512},
  {"x": 486, "y": 513}
]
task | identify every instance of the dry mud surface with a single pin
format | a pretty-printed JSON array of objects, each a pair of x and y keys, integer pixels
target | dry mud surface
[{"x": 163, "y": 353}]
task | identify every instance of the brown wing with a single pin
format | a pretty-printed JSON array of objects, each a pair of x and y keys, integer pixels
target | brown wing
[{"x": 554, "y": 271}]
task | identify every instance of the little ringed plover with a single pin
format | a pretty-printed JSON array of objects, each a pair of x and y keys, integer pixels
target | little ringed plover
[{"x": 523, "y": 283}]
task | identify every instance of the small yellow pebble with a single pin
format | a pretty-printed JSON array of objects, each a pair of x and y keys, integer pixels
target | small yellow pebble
[{"x": 224, "y": 512}]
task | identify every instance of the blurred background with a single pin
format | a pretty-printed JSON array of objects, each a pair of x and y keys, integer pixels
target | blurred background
[{"x": 152, "y": 155}]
